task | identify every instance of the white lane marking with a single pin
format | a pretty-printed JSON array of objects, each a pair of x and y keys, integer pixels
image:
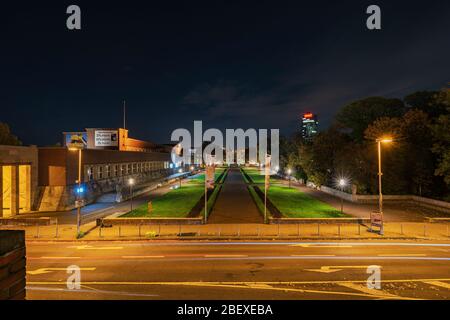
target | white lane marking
[
  {"x": 319, "y": 246},
  {"x": 313, "y": 255},
  {"x": 88, "y": 247},
  {"x": 330, "y": 269},
  {"x": 142, "y": 257},
  {"x": 438, "y": 284},
  {"x": 225, "y": 255},
  {"x": 403, "y": 255},
  {"x": 58, "y": 258}
]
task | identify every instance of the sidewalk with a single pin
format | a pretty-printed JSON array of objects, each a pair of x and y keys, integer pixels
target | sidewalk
[{"x": 248, "y": 231}]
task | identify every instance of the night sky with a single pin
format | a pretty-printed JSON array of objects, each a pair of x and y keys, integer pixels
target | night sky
[{"x": 229, "y": 63}]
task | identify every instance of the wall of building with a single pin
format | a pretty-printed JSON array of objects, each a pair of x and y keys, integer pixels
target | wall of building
[
  {"x": 21, "y": 185},
  {"x": 103, "y": 171}
]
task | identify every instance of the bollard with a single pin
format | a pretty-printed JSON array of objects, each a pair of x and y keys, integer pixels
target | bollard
[
  {"x": 424, "y": 230},
  {"x": 278, "y": 228},
  {"x": 56, "y": 231},
  {"x": 239, "y": 231},
  {"x": 120, "y": 233},
  {"x": 401, "y": 228},
  {"x": 339, "y": 230},
  {"x": 159, "y": 230},
  {"x": 298, "y": 230},
  {"x": 318, "y": 229},
  {"x": 179, "y": 230},
  {"x": 100, "y": 232},
  {"x": 37, "y": 232},
  {"x": 359, "y": 229},
  {"x": 199, "y": 232},
  {"x": 139, "y": 231},
  {"x": 220, "y": 231}
]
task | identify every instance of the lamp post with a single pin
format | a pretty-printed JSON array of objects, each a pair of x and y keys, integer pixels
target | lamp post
[
  {"x": 131, "y": 183},
  {"x": 342, "y": 185},
  {"x": 79, "y": 189},
  {"x": 180, "y": 171},
  {"x": 289, "y": 176},
  {"x": 380, "y": 198}
]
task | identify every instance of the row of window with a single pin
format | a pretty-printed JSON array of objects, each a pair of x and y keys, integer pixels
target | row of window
[{"x": 104, "y": 171}]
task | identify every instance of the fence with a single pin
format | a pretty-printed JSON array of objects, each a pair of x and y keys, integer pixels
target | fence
[{"x": 240, "y": 231}]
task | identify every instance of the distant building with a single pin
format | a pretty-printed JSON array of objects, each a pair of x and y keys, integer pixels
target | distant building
[{"x": 309, "y": 125}]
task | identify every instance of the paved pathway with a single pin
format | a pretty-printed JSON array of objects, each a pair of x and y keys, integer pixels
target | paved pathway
[{"x": 234, "y": 204}]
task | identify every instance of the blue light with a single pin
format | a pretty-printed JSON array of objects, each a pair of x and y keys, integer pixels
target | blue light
[{"x": 79, "y": 190}]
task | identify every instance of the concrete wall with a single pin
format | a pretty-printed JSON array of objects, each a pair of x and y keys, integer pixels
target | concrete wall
[{"x": 12, "y": 265}]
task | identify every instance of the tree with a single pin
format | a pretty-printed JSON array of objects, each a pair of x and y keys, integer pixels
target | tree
[
  {"x": 429, "y": 102},
  {"x": 441, "y": 147},
  {"x": 6, "y": 137},
  {"x": 358, "y": 115}
]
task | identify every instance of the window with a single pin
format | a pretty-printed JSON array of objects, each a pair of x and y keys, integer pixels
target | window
[
  {"x": 129, "y": 168},
  {"x": 116, "y": 170},
  {"x": 122, "y": 169},
  {"x": 108, "y": 171},
  {"x": 134, "y": 168},
  {"x": 100, "y": 172}
]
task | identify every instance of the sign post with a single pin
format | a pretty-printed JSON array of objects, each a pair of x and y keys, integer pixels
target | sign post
[{"x": 376, "y": 220}]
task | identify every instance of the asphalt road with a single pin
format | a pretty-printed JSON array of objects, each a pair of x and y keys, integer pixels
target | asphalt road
[{"x": 238, "y": 270}]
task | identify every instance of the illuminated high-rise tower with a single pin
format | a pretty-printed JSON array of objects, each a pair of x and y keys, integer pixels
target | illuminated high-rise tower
[{"x": 309, "y": 125}]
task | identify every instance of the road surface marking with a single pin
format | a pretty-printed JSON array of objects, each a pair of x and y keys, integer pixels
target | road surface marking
[
  {"x": 236, "y": 285},
  {"x": 58, "y": 258},
  {"x": 330, "y": 269},
  {"x": 225, "y": 255},
  {"x": 374, "y": 292},
  {"x": 48, "y": 270},
  {"x": 403, "y": 255},
  {"x": 88, "y": 247},
  {"x": 141, "y": 257},
  {"x": 313, "y": 255},
  {"x": 438, "y": 284},
  {"x": 306, "y": 245}
]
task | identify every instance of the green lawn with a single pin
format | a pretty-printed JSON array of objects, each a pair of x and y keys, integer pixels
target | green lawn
[
  {"x": 295, "y": 204},
  {"x": 200, "y": 178},
  {"x": 256, "y": 176},
  {"x": 174, "y": 204}
]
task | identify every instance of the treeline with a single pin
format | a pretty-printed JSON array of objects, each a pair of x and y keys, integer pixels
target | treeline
[{"x": 416, "y": 162}]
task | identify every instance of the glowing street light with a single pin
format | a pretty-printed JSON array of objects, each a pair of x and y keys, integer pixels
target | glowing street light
[
  {"x": 131, "y": 184},
  {"x": 380, "y": 198},
  {"x": 342, "y": 184}
]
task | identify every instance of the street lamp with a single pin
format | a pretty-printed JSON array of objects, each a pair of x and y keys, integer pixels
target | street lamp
[
  {"x": 342, "y": 184},
  {"x": 380, "y": 198},
  {"x": 289, "y": 176},
  {"x": 131, "y": 183},
  {"x": 79, "y": 190},
  {"x": 180, "y": 171}
]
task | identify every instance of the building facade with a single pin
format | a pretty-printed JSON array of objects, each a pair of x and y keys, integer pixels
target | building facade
[{"x": 18, "y": 180}]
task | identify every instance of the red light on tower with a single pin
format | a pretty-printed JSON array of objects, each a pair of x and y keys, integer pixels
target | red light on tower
[{"x": 308, "y": 115}]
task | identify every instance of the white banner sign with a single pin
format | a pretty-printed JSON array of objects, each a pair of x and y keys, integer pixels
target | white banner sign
[{"x": 106, "y": 138}]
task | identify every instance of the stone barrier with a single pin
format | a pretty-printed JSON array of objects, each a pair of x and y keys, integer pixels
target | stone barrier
[{"x": 12, "y": 265}]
